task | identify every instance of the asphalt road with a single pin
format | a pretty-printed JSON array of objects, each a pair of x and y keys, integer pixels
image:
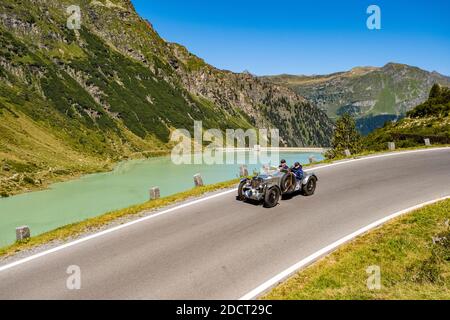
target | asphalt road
[{"x": 221, "y": 248}]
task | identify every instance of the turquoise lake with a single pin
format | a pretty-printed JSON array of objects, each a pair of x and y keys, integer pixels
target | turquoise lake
[{"x": 92, "y": 195}]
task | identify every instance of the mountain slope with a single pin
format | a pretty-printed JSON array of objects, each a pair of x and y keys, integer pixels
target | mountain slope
[
  {"x": 76, "y": 101},
  {"x": 430, "y": 119},
  {"x": 373, "y": 95}
]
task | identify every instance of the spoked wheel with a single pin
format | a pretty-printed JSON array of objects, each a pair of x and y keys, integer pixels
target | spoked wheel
[
  {"x": 241, "y": 196},
  {"x": 310, "y": 187},
  {"x": 272, "y": 197}
]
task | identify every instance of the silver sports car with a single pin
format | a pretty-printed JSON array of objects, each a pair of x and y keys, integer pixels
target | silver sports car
[{"x": 269, "y": 186}]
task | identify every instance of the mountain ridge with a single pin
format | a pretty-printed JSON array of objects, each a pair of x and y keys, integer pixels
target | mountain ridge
[
  {"x": 354, "y": 70},
  {"x": 373, "y": 95}
]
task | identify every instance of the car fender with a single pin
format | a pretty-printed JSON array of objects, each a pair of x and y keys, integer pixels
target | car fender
[{"x": 308, "y": 177}]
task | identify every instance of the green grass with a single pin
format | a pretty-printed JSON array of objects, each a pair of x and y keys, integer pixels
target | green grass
[
  {"x": 409, "y": 133},
  {"x": 385, "y": 103},
  {"x": 428, "y": 120},
  {"x": 73, "y": 230},
  {"x": 412, "y": 266}
]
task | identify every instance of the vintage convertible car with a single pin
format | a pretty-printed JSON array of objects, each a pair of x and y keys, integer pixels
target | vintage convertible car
[{"x": 269, "y": 186}]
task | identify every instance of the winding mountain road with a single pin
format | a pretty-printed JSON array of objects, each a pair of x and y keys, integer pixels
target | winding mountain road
[{"x": 221, "y": 248}]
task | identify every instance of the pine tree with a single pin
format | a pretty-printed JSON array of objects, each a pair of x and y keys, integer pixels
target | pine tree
[
  {"x": 435, "y": 91},
  {"x": 346, "y": 136}
]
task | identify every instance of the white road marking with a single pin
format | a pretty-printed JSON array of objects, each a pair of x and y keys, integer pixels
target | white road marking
[
  {"x": 376, "y": 157},
  {"x": 328, "y": 249},
  {"x": 107, "y": 231},
  {"x": 188, "y": 204}
]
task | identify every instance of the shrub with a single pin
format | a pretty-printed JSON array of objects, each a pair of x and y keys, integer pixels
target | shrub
[{"x": 28, "y": 180}]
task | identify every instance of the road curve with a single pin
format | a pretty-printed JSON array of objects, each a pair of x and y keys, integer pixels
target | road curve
[{"x": 221, "y": 248}]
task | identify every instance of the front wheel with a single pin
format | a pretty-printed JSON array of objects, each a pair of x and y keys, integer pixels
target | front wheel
[
  {"x": 272, "y": 197},
  {"x": 310, "y": 187}
]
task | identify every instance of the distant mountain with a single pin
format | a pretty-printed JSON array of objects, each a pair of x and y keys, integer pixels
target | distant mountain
[
  {"x": 372, "y": 95},
  {"x": 73, "y": 100}
]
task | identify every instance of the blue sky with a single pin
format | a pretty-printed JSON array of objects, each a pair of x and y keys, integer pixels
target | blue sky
[{"x": 305, "y": 37}]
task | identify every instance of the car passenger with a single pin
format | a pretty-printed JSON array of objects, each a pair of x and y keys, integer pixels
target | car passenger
[
  {"x": 297, "y": 169},
  {"x": 283, "y": 166}
]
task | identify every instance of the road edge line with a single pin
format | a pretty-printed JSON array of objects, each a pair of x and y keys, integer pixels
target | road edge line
[
  {"x": 384, "y": 155},
  {"x": 188, "y": 204},
  {"x": 107, "y": 231},
  {"x": 279, "y": 278}
]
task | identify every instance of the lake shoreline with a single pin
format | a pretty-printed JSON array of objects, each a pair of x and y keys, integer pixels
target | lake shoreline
[
  {"x": 106, "y": 166},
  {"x": 94, "y": 224},
  {"x": 103, "y": 167}
]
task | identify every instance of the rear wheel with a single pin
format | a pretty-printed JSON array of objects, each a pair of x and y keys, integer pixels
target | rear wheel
[
  {"x": 241, "y": 196},
  {"x": 272, "y": 197},
  {"x": 310, "y": 187}
]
